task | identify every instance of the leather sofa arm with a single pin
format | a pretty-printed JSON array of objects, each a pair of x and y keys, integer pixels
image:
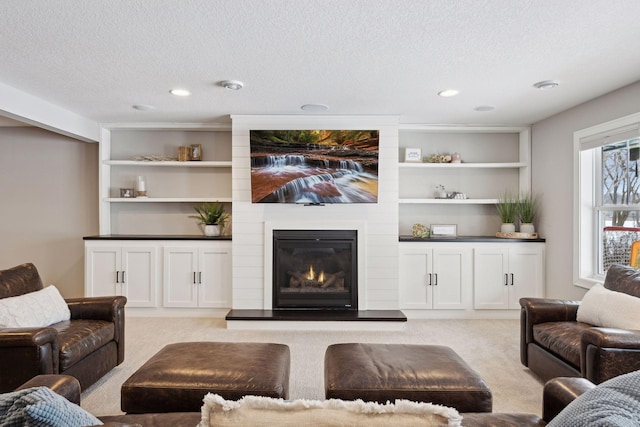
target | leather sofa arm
[
  {"x": 559, "y": 392},
  {"x": 542, "y": 310},
  {"x": 22, "y": 337},
  {"x": 65, "y": 385},
  {"x": 611, "y": 338},
  {"x": 110, "y": 309},
  {"x": 608, "y": 352},
  {"x": 26, "y": 352},
  {"x": 96, "y": 308}
]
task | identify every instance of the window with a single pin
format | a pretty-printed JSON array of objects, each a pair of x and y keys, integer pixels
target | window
[{"x": 606, "y": 197}]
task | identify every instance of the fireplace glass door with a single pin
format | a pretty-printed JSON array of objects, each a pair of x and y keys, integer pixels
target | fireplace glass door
[{"x": 315, "y": 269}]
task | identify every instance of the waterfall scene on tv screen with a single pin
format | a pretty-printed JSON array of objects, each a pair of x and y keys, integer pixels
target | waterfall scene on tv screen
[{"x": 314, "y": 166}]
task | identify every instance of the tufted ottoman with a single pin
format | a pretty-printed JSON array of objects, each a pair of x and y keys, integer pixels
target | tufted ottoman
[
  {"x": 177, "y": 378},
  {"x": 386, "y": 372}
]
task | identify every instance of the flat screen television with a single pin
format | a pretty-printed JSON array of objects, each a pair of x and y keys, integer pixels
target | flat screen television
[{"x": 314, "y": 166}]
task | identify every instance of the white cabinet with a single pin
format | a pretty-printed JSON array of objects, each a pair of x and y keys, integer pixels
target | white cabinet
[
  {"x": 436, "y": 278},
  {"x": 505, "y": 273},
  {"x": 494, "y": 160},
  {"x": 158, "y": 276},
  {"x": 129, "y": 270},
  {"x": 173, "y": 187},
  {"x": 197, "y": 276}
]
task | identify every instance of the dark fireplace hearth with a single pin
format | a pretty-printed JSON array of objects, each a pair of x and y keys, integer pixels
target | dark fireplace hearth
[{"x": 315, "y": 269}]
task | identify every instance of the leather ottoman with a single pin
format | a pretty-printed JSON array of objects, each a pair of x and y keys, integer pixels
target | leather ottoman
[
  {"x": 386, "y": 372},
  {"x": 178, "y": 377}
]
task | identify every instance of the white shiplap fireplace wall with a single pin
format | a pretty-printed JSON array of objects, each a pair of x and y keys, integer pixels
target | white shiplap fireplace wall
[{"x": 377, "y": 222}]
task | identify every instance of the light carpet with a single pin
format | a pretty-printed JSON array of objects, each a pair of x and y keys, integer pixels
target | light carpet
[{"x": 491, "y": 347}]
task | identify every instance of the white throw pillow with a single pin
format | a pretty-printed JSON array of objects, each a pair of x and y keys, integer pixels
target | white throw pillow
[
  {"x": 610, "y": 309},
  {"x": 258, "y": 411},
  {"x": 35, "y": 309}
]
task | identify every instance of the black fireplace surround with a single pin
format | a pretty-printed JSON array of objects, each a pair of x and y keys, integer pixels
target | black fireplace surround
[{"x": 315, "y": 270}]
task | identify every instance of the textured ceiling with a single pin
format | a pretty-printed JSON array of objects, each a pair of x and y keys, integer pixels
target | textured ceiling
[{"x": 97, "y": 58}]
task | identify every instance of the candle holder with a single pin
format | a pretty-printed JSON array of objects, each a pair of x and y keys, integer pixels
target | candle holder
[{"x": 141, "y": 186}]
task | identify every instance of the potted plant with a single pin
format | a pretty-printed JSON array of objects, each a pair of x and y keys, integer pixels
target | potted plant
[
  {"x": 527, "y": 209},
  {"x": 507, "y": 207},
  {"x": 212, "y": 216}
]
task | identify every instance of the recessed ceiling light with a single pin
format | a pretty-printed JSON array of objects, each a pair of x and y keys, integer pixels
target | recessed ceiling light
[
  {"x": 143, "y": 107},
  {"x": 546, "y": 84},
  {"x": 484, "y": 108},
  {"x": 180, "y": 92},
  {"x": 448, "y": 92},
  {"x": 315, "y": 108},
  {"x": 232, "y": 84}
]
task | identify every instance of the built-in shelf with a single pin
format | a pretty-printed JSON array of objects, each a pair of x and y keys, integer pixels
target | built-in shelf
[
  {"x": 494, "y": 160},
  {"x": 167, "y": 199},
  {"x": 433, "y": 201},
  {"x": 191, "y": 164},
  {"x": 129, "y": 150},
  {"x": 507, "y": 165}
]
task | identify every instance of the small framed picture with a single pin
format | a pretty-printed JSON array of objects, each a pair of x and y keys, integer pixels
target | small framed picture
[
  {"x": 195, "y": 152},
  {"x": 444, "y": 230},
  {"x": 126, "y": 192},
  {"x": 413, "y": 155}
]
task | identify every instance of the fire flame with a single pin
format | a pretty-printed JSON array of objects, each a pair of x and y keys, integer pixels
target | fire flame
[{"x": 312, "y": 275}]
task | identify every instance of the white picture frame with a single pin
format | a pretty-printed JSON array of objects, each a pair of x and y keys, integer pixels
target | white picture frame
[
  {"x": 413, "y": 155},
  {"x": 444, "y": 230}
]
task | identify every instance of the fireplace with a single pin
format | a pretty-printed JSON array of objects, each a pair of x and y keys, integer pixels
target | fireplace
[{"x": 315, "y": 269}]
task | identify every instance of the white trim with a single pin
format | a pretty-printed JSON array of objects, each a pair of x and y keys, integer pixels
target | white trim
[
  {"x": 27, "y": 108},
  {"x": 169, "y": 126},
  {"x": 584, "y": 200}
]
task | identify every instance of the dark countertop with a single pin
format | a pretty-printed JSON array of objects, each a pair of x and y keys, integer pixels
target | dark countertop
[
  {"x": 155, "y": 237},
  {"x": 472, "y": 239}
]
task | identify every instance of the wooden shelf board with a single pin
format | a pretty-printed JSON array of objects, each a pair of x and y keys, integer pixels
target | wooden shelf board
[
  {"x": 448, "y": 201},
  {"x": 193, "y": 164},
  {"x": 166, "y": 199}
]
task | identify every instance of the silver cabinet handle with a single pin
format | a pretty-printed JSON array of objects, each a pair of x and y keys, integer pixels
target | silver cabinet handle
[
  {"x": 436, "y": 281},
  {"x": 506, "y": 279},
  {"x": 200, "y": 277},
  {"x": 511, "y": 279}
]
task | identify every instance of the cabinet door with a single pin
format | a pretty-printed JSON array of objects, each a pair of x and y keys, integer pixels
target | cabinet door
[
  {"x": 214, "y": 277},
  {"x": 180, "y": 277},
  {"x": 102, "y": 271},
  {"x": 415, "y": 288},
  {"x": 452, "y": 268},
  {"x": 491, "y": 278},
  {"x": 138, "y": 277},
  {"x": 526, "y": 265}
]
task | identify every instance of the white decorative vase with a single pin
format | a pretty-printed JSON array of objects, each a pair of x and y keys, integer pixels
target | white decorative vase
[
  {"x": 211, "y": 230},
  {"x": 508, "y": 227},
  {"x": 527, "y": 227}
]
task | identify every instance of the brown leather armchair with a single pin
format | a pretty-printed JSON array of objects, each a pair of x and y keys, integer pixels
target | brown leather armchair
[
  {"x": 554, "y": 344},
  {"x": 87, "y": 346}
]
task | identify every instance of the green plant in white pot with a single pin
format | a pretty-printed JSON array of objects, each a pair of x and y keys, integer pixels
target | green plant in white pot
[
  {"x": 527, "y": 210},
  {"x": 212, "y": 216},
  {"x": 507, "y": 207}
]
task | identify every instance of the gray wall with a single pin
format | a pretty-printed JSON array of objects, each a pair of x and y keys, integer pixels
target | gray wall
[
  {"x": 48, "y": 202},
  {"x": 552, "y": 179}
]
